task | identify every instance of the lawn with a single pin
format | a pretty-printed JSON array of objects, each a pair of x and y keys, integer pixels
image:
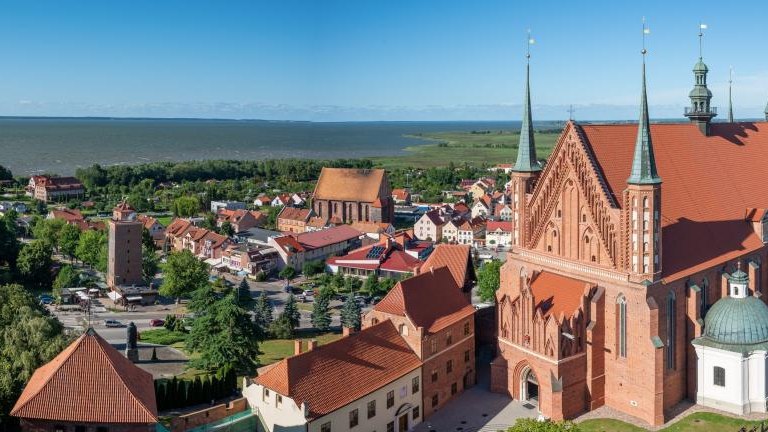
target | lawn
[
  {"x": 494, "y": 148},
  {"x": 162, "y": 336},
  {"x": 275, "y": 350},
  {"x": 165, "y": 220},
  {"x": 696, "y": 422}
]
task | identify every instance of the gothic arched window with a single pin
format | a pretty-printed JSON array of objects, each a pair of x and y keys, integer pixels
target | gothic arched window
[
  {"x": 671, "y": 327},
  {"x": 621, "y": 306}
]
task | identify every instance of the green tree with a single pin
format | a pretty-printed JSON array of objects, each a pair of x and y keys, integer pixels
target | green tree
[
  {"x": 68, "y": 277},
  {"x": 311, "y": 268},
  {"x": 321, "y": 314},
  {"x": 48, "y": 230},
  {"x": 9, "y": 244},
  {"x": 350, "y": 313},
  {"x": 91, "y": 248},
  {"x": 29, "y": 337},
  {"x": 147, "y": 240},
  {"x": 287, "y": 273},
  {"x": 34, "y": 264},
  {"x": 149, "y": 263},
  {"x": 227, "y": 229},
  {"x": 185, "y": 206},
  {"x": 5, "y": 173},
  {"x": 244, "y": 292},
  {"x": 534, "y": 425},
  {"x": 183, "y": 273},
  {"x": 69, "y": 237},
  {"x": 371, "y": 285},
  {"x": 291, "y": 310},
  {"x": 488, "y": 279},
  {"x": 281, "y": 328},
  {"x": 262, "y": 312},
  {"x": 225, "y": 338}
]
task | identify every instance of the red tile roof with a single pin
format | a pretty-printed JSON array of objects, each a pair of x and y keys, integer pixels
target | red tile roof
[
  {"x": 333, "y": 375},
  {"x": 505, "y": 226},
  {"x": 89, "y": 382},
  {"x": 457, "y": 258},
  {"x": 327, "y": 237},
  {"x": 178, "y": 227},
  {"x": 708, "y": 183},
  {"x": 415, "y": 297},
  {"x": 295, "y": 214},
  {"x": 69, "y": 215},
  {"x": 401, "y": 194},
  {"x": 556, "y": 294},
  {"x": 350, "y": 184},
  {"x": 289, "y": 244}
]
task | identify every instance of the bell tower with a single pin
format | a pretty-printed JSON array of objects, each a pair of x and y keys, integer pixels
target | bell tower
[
  {"x": 527, "y": 167},
  {"x": 642, "y": 202},
  {"x": 701, "y": 112}
]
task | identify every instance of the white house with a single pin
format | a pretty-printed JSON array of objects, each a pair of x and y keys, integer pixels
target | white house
[
  {"x": 451, "y": 230},
  {"x": 498, "y": 233},
  {"x": 504, "y": 212},
  {"x": 262, "y": 200},
  {"x": 732, "y": 353},
  {"x": 481, "y": 208},
  {"x": 429, "y": 226},
  {"x": 226, "y": 205},
  {"x": 365, "y": 381}
]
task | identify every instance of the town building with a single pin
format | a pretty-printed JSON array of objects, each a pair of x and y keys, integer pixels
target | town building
[
  {"x": 450, "y": 231},
  {"x": 282, "y": 200},
  {"x": 401, "y": 196},
  {"x": 263, "y": 200},
  {"x": 46, "y": 188},
  {"x": 216, "y": 206},
  {"x": 498, "y": 233},
  {"x": 317, "y": 224},
  {"x": 619, "y": 249},
  {"x": 257, "y": 236},
  {"x": 75, "y": 218},
  {"x": 124, "y": 258},
  {"x": 458, "y": 259},
  {"x": 482, "y": 207},
  {"x": 377, "y": 386},
  {"x": 240, "y": 220},
  {"x": 503, "y": 212},
  {"x": 205, "y": 244},
  {"x": 294, "y": 220},
  {"x": 392, "y": 257},
  {"x": 440, "y": 333},
  {"x": 467, "y": 231},
  {"x": 88, "y": 387},
  {"x": 374, "y": 230},
  {"x": 430, "y": 226},
  {"x": 346, "y": 195},
  {"x": 245, "y": 259},
  {"x": 296, "y": 249},
  {"x": 154, "y": 227}
]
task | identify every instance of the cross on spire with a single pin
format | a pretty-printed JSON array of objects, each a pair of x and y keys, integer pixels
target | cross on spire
[{"x": 702, "y": 27}]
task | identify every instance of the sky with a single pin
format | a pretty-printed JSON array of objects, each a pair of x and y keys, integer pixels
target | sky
[{"x": 352, "y": 60}]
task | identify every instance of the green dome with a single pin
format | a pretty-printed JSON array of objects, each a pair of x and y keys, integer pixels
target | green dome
[
  {"x": 737, "y": 321},
  {"x": 700, "y": 67},
  {"x": 700, "y": 92}
]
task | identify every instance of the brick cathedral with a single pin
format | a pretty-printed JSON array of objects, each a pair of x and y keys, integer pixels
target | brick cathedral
[{"x": 622, "y": 241}]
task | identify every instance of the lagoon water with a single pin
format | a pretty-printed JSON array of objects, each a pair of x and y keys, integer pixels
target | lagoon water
[{"x": 53, "y": 145}]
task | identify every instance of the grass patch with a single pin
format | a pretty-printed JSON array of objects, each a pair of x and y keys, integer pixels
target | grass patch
[
  {"x": 163, "y": 336},
  {"x": 164, "y": 220},
  {"x": 475, "y": 149},
  {"x": 696, "y": 422},
  {"x": 275, "y": 350}
]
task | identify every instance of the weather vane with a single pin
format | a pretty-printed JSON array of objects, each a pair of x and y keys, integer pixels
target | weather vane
[
  {"x": 530, "y": 42},
  {"x": 646, "y": 31},
  {"x": 702, "y": 27}
]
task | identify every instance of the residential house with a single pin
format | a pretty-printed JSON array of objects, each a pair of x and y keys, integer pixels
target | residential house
[
  {"x": 369, "y": 380},
  {"x": 205, "y": 244},
  {"x": 241, "y": 220},
  {"x": 401, "y": 196},
  {"x": 47, "y": 188},
  {"x": 458, "y": 259},
  {"x": 451, "y": 230},
  {"x": 282, "y": 200},
  {"x": 263, "y": 200},
  {"x": 503, "y": 212},
  {"x": 226, "y": 205},
  {"x": 498, "y": 233},
  {"x": 18, "y": 207},
  {"x": 294, "y": 220},
  {"x": 505, "y": 168},
  {"x": 75, "y": 218},
  {"x": 296, "y": 249},
  {"x": 248, "y": 259},
  {"x": 257, "y": 236},
  {"x": 482, "y": 187},
  {"x": 387, "y": 258},
  {"x": 317, "y": 224},
  {"x": 346, "y": 195},
  {"x": 437, "y": 321},
  {"x": 155, "y": 228},
  {"x": 469, "y": 230},
  {"x": 89, "y": 386},
  {"x": 482, "y": 207},
  {"x": 298, "y": 200},
  {"x": 374, "y": 230},
  {"x": 430, "y": 226},
  {"x": 461, "y": 210}
]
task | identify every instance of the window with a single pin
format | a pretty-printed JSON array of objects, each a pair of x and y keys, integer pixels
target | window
[
  {"x": 433, "y": 346},
  {"x": 403, "y": 329},
  {"x": 719, "y": 376},
  {"x": 390, "y": 399},
  {"x": 671, "y": 327},
  {"x": 278, "y": 401},
  {"x": 454, "y": 388},
  {"x": 449, "y": 338},
  {"x": 434, "y": 400},
  {"x": 353, "y": 418},
  {"x": 621, "y": 304},
  {"x": 416, "y": 412},
  {"x": 415, "y": 385},
  {"x": 466, "y": 356},
  {"x": 371, "y": 408},
  {"x": 391, "y": 426},
  {"x": 266, "y": 394},
  {"x": 449, "y": 366},
  {"x": 466, "y": 328},
  {"x": 434, "y": 375},
  {"x": 325, "y": 427}
]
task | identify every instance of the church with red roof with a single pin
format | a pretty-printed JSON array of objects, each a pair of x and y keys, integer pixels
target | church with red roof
[{"x": 621, "y": 242}]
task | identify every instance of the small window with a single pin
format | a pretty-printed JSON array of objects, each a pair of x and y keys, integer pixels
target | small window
[
  {"x": 416, "y": 412},
  {"x": 466, "y": 356},
  {"x": 266, "y": 394},
  {"x": 390, "y": 399},
  {"x": 433, "y": 346},
  {"x": 466, "y": 328},
  {"x": 353, "y": 420},
  {"x": 415, "y": 385},
  {"x": 435, "y": 400},
  {"x": 325, "y": 427},
  {"x": 449, "y": 338},
  {"x": 391, "y": 426},
  {"x": 371, "y": 408},
  {"x": 454, "y": 388},
  {"x": 449, "y": 366},
  {"x": 434, "y": 375},
  {"x": 719, "y": 376},
  {"x": 403, "y": 329},
  {"x": 279, "y": 401}
]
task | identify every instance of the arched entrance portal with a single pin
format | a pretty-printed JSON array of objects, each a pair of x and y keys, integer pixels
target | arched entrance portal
[{"x": 529, "y": 387}]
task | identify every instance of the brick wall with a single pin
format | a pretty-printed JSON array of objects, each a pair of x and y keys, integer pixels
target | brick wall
[{"x": 208, "y": 415}]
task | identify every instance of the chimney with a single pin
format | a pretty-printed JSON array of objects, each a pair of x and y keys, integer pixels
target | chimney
[
  {"x": 297, "y": 347},
  {"x": 312, "y": 344},
  {"x": 346, "y": 331},
  {"x": 432, "y": 269}
]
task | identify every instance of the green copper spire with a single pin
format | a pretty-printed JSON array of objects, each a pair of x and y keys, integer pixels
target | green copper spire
[
  {"x": 526, "y": 150},
  {"x": 644, "y": 163}
]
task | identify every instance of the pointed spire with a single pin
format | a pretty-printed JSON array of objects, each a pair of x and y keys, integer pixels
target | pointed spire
[
  {"x": 766, "y": 112},
  {"x": 526, "y": 150},
  {"x": 644, "y": 163},
  {"x": 730, "y": 95}
]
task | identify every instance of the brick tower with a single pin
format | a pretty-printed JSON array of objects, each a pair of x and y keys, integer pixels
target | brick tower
[{"x": 124, "y": 260}]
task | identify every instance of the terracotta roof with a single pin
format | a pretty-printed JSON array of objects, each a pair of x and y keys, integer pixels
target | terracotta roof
[
  {"x": 401, "y": 194},
  {"x": 708, "y": 183},
  {"x": 368, "y": 227},
  {"x": 178, "y": 227},
  {"x": 556, "y": 294},
  {"x": 289, "y": 244},
  {"x": 69, "y": 215},
  {"x": 333, "y": 375},
  {"x": 296, "y": 214},
  {"x": 415, "y": 297},
  {"x": 505, "y": 226},
  {"x": 124, "y": 206},
  {"x": 317, "y": 222},
  {"x": 148, "y": 221},
  {"x": 327, "y": 237},
  {"x": 497, "y": 211},
  {"x": 461, "y": 208},
  {"x": 457, "y": 258},
  {"x": 89, "y": 382},
  {"x": 349, "y": 184}
]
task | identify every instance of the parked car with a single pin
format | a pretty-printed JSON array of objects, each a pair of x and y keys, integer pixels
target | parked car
[
  {"x": 113, "y": 323},
  {"x": 45, "y": 299},
  {"x": 309, "y": 295},
  {"x": 156, "y": 323},
  {"x": 361, "y": 300}
]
